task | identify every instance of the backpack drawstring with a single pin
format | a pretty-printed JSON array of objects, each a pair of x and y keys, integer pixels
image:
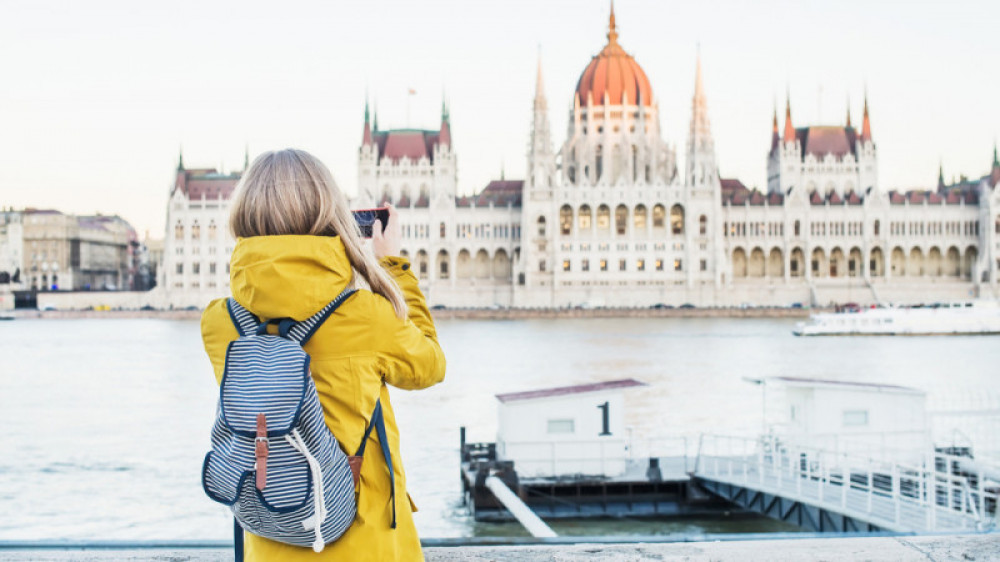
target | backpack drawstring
[{"x": 319, "y": 502}]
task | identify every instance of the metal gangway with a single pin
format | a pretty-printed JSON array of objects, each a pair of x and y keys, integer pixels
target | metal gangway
[{"x": 840, "y": 490}]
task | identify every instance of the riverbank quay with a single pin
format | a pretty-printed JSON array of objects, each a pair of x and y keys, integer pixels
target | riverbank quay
[
  {"x": 473, "y": 313},
  {"x": 752, "y": 548}
]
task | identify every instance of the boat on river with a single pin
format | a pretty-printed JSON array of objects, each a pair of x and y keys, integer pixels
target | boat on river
[{"x": 979, "y": 317}]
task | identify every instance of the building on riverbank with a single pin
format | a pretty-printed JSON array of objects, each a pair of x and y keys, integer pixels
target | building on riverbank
[
  {"x": 197, "y": 244},
  {"x": 47, "y": 250},
  {"x": 11, "y": 249},
  {"x": 613, "y": 217}
]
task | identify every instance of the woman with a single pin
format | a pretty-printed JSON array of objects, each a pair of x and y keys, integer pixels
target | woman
[{"x": 297, "y": 248}]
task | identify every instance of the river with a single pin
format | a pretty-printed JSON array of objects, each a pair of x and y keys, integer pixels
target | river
[{"x": 105, "y": 422}]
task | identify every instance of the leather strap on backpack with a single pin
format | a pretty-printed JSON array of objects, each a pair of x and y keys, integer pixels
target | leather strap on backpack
[{"x": 261, "y": 450}]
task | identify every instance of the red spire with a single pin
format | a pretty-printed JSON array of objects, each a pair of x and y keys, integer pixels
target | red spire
[
  {"x": 789, "y": 129},
  {"x": 866, "y": 126}
]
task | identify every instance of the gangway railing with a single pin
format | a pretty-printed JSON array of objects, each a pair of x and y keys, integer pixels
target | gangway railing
[{"x": 932, "y": 496}]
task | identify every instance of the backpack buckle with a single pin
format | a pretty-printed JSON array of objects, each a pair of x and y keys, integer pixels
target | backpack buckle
[{"x": 261, "y": 449}]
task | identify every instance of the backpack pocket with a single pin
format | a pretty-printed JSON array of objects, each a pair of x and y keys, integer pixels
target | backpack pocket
[{"x": 288, "y": 488}]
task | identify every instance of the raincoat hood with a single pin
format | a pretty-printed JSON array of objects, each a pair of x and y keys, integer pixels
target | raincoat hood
[{"x": 288, "y": 276}]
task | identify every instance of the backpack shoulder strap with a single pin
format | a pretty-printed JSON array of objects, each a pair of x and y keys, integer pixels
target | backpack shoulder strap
[
  {"x": 304, "y": 330},
  {"x": 244, "y": 320}
]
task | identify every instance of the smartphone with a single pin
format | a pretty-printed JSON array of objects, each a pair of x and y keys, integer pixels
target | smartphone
[{"x": 366, "y": 219}]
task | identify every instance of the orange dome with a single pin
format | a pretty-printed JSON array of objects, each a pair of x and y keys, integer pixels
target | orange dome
[{"x": 614, "y": 72}]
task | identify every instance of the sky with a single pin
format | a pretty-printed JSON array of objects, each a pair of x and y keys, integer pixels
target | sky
[{"x": 98, "y": 97}]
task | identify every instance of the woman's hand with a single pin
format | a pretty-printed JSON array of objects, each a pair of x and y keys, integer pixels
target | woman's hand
[{"x": 388, "y": 243}]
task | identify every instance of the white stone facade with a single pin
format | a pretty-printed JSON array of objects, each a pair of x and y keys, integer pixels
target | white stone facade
[
  {"x": 11, "y": 250},
  {"x": 197, "y": 243},
  {"x": 610, "y": 219}
]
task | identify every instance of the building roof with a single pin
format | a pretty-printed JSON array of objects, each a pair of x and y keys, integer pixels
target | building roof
[
  {"x": 498, "y": 193},
  {"x": 207, "y": 183},
  {"x": 570, "y": 390},
  {"x": 822, "y": 140},
  {"x": 406, "y": 143},
  {"x": 846, "y": 385},
  {"x": 613, "y": 73},
  {"x": 731, "y": 188}
]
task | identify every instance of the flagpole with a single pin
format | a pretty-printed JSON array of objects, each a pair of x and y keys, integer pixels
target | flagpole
[{"x": 409, "y": 94}]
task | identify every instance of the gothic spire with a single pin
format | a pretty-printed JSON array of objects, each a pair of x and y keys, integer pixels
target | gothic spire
[
  {"x": 366, "y": 136},
  {"x": 789, "y": 129},
  {"x": 540, "y": 102},
  {"x": 775, "y": 139},
  {"x": 699, "y": 105},
  {"x": 940, "y": 176},
  {"x": 848, "y": 111},
  {"x": 180, "y": 158},
  {"x": 866, "y": 126},
  {"x": 612, "y": 30}
]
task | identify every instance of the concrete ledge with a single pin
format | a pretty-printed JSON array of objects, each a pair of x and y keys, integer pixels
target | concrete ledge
[{"x": 984, "y": 547}]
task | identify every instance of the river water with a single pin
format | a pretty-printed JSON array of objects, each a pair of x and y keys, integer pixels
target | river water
[{"x": 104, "y": 423}]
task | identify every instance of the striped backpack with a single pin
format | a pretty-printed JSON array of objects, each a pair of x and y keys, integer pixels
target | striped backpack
[{"x": 274, "y": 461}]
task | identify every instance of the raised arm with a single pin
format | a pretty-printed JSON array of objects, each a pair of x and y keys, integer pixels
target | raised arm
[{"x": 412, "y": 356}]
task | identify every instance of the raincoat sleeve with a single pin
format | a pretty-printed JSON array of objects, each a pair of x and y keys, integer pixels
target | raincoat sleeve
[{"x": 411, "y": 355}]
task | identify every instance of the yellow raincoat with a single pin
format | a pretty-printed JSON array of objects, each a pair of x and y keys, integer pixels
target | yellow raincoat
[{"x": 359, "y": 348}]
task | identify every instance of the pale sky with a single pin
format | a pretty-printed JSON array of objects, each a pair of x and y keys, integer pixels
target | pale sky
[{"x": 97, "y": 96}]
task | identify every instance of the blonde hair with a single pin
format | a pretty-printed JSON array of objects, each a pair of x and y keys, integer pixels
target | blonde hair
[{"x": 291, "y": 192}]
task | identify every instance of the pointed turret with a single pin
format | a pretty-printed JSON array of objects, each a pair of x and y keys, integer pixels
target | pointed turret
[
  {"x": 541, "y": 160},
  {"x": 612, "y": 30},
  {"x": 775, "y": 139},
  {"x": 540, "y": 102},
  {"x": 445, "y": 135},
  {"x": 940, "y": 176},
  {"x": 995, "y": 170},
  {"x": 789, "y": 128},
  {"x": 866, "y": 126},
  {"x": 848, "y": 112},
  {"x": 699, "y": 105},
  {"x": 701, "y": 147},
  {"x": 180, "y": 159},
  {"x": 366, "y": 136}
]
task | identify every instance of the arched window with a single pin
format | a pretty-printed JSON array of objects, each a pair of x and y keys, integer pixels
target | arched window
[
  {"x": 541, "y": 226},
  {"x": 195, "y": 231},
  {"x": 702, "y": 225},
  {"x": 179, "y": 231},
  {"x": 639, "y": 218},
  {"x": 442, "y": 260},
  {"x": 677, "y": 219},
  {"x": 212, "y": 230},
  {"x": 603, "y": 217},
  {"x": 565, "y": 220},
  {"x": 798, "y": 227},
  {"x": 621, "y": 219},
  {"x": 444, "y": 231},
  {"x": 878, "y": 224},
  {"x": 584, "y": 217},
  {"x": 659, "y": 216}
]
